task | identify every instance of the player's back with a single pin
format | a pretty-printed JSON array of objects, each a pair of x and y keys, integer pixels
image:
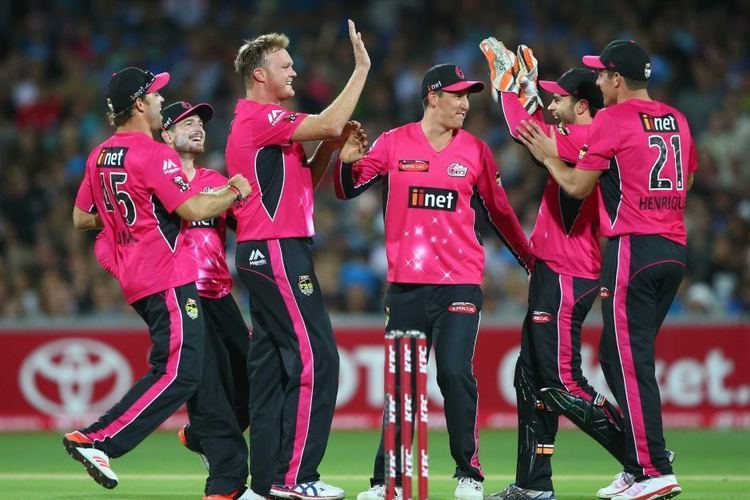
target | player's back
[
  {"x": 652, "y": 155},
  {"x": 136, "y": 184}
]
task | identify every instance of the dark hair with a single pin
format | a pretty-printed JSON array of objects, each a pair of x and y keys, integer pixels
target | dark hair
[
  {"x": 632, "y": 84},
  {"x": 424, "y": 101},
  {"x": 121, "y": 118}
]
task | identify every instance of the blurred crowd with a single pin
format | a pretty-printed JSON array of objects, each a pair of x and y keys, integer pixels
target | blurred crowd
[{"x": 57, "y": 56}]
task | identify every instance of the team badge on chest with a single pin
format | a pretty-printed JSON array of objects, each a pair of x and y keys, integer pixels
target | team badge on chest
[{"x": 455, "y": 169}]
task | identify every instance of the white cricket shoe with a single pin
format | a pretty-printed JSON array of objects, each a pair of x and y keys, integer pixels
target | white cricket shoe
[
  {"x": 377, "y": 492},
  {"x": 469, "y": 489},
  {"x": 622, "y": 482},
  {"x": 653, "y": 488},
  {"x": 312, "y": 491},
  {"x": 96, "y": 462}
]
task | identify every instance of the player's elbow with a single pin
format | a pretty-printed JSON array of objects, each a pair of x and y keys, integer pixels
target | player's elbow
[
  {"x": 83, "y": 220},
  {"x": 190, "y": 210},
  {"x": 580, "y": 192}
]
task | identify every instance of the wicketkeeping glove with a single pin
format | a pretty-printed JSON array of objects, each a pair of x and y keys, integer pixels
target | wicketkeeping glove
[
  {"x": 503, "y": 66},
  {"x": 528, "y": 71}
]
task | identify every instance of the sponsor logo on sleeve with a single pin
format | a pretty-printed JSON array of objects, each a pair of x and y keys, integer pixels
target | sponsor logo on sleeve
[
  {"x": 305, "y": 285},
  {"x": 541, "y": 317},
  {"x": 191, "y": 308},
  {"x": 413, "y": 165},
  {"x": 433, "y": 198},
  {"x": 462, "y": 307},
  {"x": 457, "y": 170},
  {"x": 291, "y": 117},
  {"x": 169, "y": 167},
  {"x": 275, "y": 116},
  {"x": 666, "y": 123},
  {"x": 111, "y": 158},
  {"x": 604, "y": 293},
  {"x": 582, "y": 152},
  {"x": 181, "y": 183},
  {"x": 498, "y": 179}
]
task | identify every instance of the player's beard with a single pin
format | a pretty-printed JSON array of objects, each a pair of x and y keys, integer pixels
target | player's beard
[{"x": 183, "y": 144}]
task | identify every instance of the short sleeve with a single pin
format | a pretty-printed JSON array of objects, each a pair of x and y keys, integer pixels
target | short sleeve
[
  {"x": 601, "y": 143},
  {"x": 85, "y": 195},
  {"x": 163, "y": 175},
  {"x": 274, "y": 125}
]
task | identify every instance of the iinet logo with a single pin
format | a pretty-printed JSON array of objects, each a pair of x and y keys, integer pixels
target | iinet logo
[{"x": 433, "y": 198}]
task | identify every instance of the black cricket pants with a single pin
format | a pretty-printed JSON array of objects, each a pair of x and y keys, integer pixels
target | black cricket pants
[
  {"x": 215, "y": 415},
  {"x": 550, "y": 357},
  {"x": 449, "y": 315},
  {"x": 175, "y": 321},
  {"x": 293, "y": 363},
  {"x": 640, "y": 278}
]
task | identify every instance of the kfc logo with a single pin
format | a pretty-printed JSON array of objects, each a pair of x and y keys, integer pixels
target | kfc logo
[{"x": 74, "y": 377}]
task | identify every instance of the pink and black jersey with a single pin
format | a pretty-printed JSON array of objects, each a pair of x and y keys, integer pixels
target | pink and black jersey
[
  {"x": 433, "y": 202},
  {"x": 647, "y": 153},
  {"x": 205, "y": 241},
  {"x": 566, "y": 232},
  {"x": 259, "y": 147},
  {"x": 135, "y": 184}
]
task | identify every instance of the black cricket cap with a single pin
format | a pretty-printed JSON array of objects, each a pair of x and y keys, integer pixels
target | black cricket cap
[
  {"x": 129, "y": 84},
  {"x": 625, "y": 57},
  {"x": 448, "y": 77},
  {"x": 178, "y": 111},
  {"x": 579, "y": 83}
]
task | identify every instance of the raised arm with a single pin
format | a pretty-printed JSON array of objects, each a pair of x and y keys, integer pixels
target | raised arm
[{"x": 329, "y": 124}]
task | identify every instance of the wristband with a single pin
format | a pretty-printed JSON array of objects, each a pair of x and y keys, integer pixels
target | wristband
[{"x": 236, "y": 191}]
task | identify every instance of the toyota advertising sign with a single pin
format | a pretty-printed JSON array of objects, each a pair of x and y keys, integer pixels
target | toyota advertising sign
[{"x": 62, "y": 380}]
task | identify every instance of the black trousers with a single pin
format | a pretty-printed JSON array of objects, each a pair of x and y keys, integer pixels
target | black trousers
[
  {"x": 640, "y": 278},
  {"x": 175, "y": 320},
  {"x": 218, "y": 410},
  {"x": 293, "y": 363},
  {"x": 550, "y": 357},
  {"x": 449, "y": 315}
]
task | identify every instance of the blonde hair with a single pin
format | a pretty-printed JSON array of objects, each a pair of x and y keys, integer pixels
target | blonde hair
[{"x": 253, "y": 53}]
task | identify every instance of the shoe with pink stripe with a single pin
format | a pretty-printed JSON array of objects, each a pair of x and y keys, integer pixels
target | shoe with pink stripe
[{"x": 312, "y": 490}]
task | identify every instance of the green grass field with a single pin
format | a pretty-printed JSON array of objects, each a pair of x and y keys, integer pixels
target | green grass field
[{"x": 709, "y": 465}]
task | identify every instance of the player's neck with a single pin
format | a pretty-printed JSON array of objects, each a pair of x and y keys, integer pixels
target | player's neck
[
  {"x": 259, "y": 94},
  {"x": 188, "y": 166},
  {"x": 136, "y": 124},
  {"x": 437, "y": 135},
  {"x": 627, "y": 95}
]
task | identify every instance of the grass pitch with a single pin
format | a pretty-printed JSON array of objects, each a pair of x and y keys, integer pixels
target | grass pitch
[{"x": 710, "y": 465}]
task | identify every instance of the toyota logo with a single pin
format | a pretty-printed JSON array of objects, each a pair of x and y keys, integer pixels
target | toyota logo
[{"x": 74, "y": 377}]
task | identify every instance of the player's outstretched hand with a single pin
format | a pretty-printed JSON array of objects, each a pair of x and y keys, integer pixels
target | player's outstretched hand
[
  {"x": 361, "y": 57},
  {"x": 354, "y": 143},
  {"x": 540, "y": 145},
  {"x": 240, "y": 182}
]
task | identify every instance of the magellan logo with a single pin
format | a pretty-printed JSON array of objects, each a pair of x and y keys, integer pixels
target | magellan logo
[
  {"x": 666, "y": 123},
  {"x": 433, "y": 198},
  {"x": 257, "y": 258},
  {"x": 541, "y": 317},
  {"x": 275, "y": 115},
  {"x": 462, "y": 307},
  {"x": 413, "y": 165},
  {"x": 169, "y": 167},
  {"x": 111, "y": 158}
]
